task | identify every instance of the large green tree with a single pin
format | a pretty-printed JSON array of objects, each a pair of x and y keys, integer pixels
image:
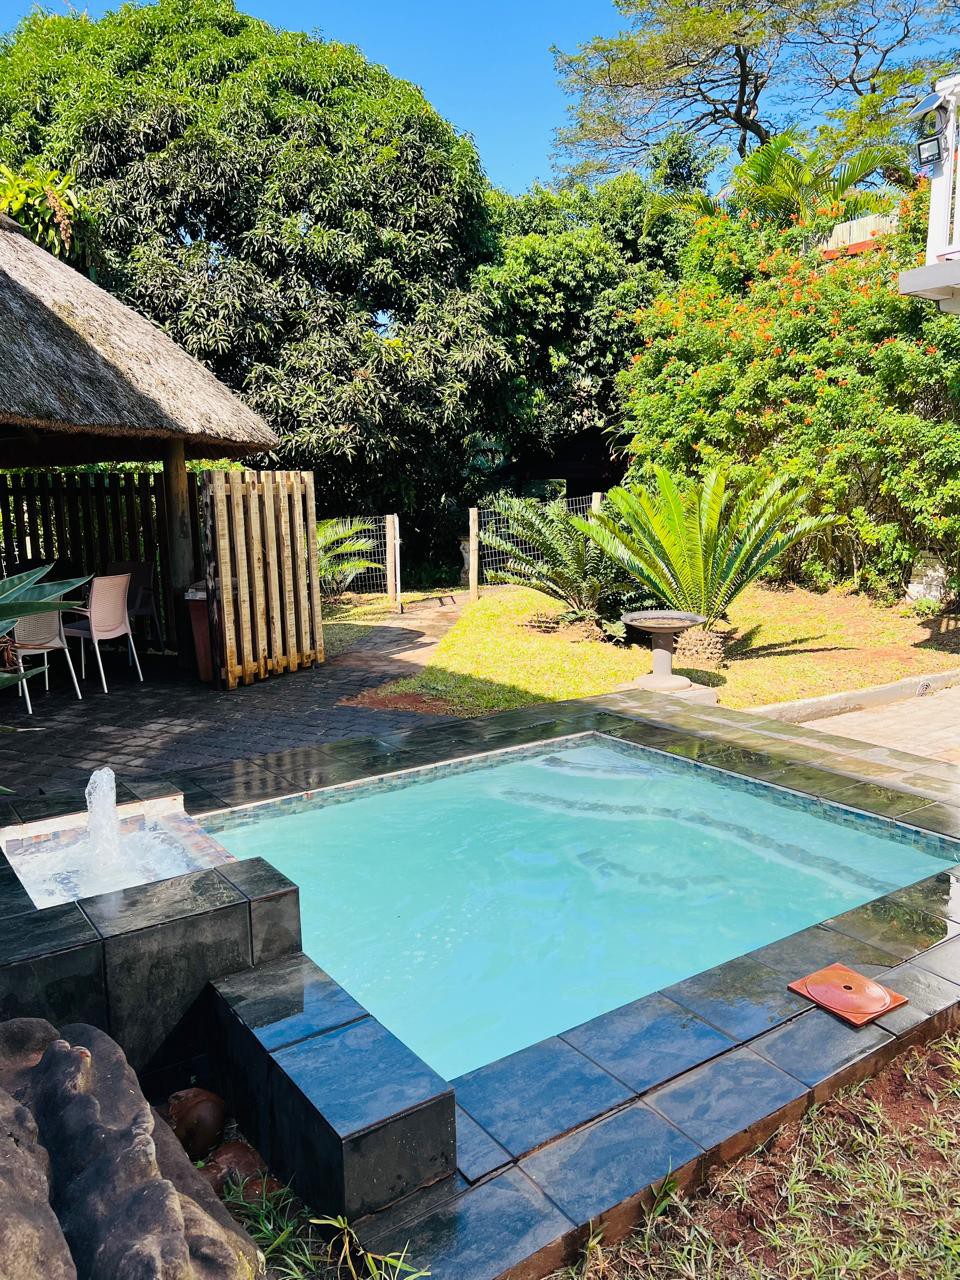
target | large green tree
[
  {"x": 297, "y": 218},
  {"x": 573, "y": 266},
  {"x": 738, "y": 74}
]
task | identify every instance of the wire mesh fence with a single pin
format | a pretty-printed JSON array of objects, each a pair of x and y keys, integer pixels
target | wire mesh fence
[
  {"x": 493, "y": 560},
  {"x": 374, "y": 580}
]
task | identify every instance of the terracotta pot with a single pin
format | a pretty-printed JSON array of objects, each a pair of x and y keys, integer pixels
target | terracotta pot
[
  {"x": 197, "y": 1117},
  {"x": 238, "y": 1162}
]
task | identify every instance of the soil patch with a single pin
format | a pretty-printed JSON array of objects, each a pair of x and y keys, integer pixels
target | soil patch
[{"x": 386, "y": 699}]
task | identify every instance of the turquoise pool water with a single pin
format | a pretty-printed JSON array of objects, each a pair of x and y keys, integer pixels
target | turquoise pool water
[{"x": 477, "y": 912}]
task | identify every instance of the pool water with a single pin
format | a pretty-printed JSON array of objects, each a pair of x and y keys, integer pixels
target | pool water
[{"x": 476, "y": 912}]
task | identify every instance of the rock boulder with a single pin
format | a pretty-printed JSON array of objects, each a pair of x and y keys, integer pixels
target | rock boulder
[
  {"x": 123, "y": 1219},
  {"x": 32, "y": 1245}
]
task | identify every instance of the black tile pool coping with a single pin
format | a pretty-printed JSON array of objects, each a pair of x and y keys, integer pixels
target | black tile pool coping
[{"x": 579, "y": 1128}]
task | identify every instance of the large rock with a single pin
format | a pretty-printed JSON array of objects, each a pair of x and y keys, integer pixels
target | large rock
[
  {"x": 22, "y": 1045},
  {"x": 122, "y": 1218},
  {"x": 31, "y": 1242},
  {"x": 174, "y": 1164}
]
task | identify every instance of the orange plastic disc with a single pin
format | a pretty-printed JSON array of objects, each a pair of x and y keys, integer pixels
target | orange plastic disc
[{"x": 850, "y": 995}]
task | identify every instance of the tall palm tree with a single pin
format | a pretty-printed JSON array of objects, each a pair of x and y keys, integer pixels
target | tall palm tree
[
  {"x": 784, "y": 180},
  {"x": 696, "y": 547}
]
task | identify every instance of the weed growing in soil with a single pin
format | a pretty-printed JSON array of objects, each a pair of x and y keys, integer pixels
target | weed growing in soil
[
  {"x": 864, "y": 1187},
  {"x": 300, "y": 1247}
]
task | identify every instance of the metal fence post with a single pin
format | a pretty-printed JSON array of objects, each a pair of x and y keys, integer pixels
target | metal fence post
[
  {"x": 596, "y": 501},
  {"x": 474, "y": 554},
  {"x": 397, "y": 585},
  {"x": 391, "y": 557}
]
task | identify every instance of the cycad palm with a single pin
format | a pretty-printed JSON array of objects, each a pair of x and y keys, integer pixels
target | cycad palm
[
  {"x": 545, "y": 548},
  {"x": 342, "y": 552},
  {"x": 697, "y": 547}
]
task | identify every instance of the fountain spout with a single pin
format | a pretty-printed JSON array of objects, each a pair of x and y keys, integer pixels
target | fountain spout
[{"x": 103, "y": 821}]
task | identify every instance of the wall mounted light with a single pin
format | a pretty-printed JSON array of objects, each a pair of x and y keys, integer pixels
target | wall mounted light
[{"x": 929, "y": 151}]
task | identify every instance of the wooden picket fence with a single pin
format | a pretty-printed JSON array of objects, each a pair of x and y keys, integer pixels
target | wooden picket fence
[
  {"x": 263, "y": 585},
  {"x": 80, "y": 522}
]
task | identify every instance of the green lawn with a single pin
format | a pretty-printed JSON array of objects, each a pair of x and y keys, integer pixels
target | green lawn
[{"x": 788, "y": 643}]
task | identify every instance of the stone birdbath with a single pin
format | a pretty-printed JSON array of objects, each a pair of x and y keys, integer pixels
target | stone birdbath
[{"x": 664, "y": 627}]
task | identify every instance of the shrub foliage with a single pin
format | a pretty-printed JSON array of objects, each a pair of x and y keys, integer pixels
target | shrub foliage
[{"x": 772, "y": 361}]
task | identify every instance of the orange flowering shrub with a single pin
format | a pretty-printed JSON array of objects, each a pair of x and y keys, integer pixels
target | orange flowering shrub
[{"x": 771, "y": 360}]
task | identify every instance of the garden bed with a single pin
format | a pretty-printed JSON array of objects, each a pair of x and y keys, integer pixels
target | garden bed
[
  {"x": 865, "y": 1186},
  {"x": 788, "y": 643}
]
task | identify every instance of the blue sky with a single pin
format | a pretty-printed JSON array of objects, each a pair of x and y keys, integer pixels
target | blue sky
[{"x": 486, "y": 67}]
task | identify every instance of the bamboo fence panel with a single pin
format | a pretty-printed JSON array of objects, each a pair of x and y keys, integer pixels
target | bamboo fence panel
[
  {"x": 262, "y": 573},
  {"x": 80, "y": 522}
]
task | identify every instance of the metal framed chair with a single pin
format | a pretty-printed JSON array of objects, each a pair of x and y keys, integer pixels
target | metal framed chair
[
  {"x": 142, "y": 599},
  {"x": 41, "y": 634},
  {"x": 104, "y": 618}
]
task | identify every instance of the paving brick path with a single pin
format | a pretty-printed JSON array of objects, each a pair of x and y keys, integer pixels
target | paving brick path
[
  {"x": 172, "y": 723},
  {"x": 928, "y": 726}
]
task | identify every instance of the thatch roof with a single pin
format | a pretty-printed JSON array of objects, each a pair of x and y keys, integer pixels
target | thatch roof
[{"x": 76, "y": 361}]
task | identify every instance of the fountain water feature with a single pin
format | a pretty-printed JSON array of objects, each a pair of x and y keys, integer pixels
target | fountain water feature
[
  {"x": 110, "y": 852},
  {"x": 103, "y": 819}
]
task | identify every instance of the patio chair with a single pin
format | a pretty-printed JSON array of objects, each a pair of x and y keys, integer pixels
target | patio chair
[
  {"x": 41, "y": 633},
  {"x": 142, "y": 597},
  {"x": 104, "y": 618}
]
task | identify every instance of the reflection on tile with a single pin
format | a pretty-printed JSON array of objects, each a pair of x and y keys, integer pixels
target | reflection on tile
[
  {"x": 160, "y": 902},
  {"x": 726, "y": 1097},
  {"x": 38, "y": 933},
  {"x": 593, "y": 1169},
  {"x": 537, "y": 1094},
  {"x": 274, "y": 907},
  {"x": 477, "y": 1153},
  {"x": 883, "y": 800},
  {"x": 942, "y": 818},
  {"x": 14, "y": 899},
  {"x": 358, "y": 1075},
  {"x": 648, "y": 1041},
  {"x": 814, "y": 948},
  {"x": 62, "y": 986},
  {"x": 742, "y": 997},
  {"x": 899, "y": 929},
  {"x": 287, "y": 1001},
  {"x": 944, "y": 960},
  {"x": 157, "y": 975},
  {"x": 485, "y": 1232},
  {"x": 818, "y": 1045},
  {"x": 939, "y": 895},
  {"x": 928, "y": 994}
]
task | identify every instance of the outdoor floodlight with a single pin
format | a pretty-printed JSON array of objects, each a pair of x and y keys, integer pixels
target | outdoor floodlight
[
  {"x": 929, "y": 150},
  {"x": 932, "y": 116}
]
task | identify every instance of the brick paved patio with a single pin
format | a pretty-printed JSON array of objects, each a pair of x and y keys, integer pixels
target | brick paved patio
[
  {"x": 928, "y": 726},
  {"x": 174, "y": 724}
]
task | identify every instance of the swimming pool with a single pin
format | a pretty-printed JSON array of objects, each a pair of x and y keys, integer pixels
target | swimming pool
[{"x": 476, "y": 909}]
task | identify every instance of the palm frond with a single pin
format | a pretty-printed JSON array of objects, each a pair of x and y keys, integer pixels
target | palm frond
[{"x": 696, "y": 546}]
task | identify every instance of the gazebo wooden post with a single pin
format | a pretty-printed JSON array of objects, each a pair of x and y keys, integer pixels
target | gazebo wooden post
[{"x": 179, "y": 540}]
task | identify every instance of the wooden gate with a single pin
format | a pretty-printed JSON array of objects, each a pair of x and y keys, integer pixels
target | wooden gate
[{"x": 263, "y": 585}]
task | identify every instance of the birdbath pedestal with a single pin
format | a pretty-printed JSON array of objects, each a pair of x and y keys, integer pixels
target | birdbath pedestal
[{"x": 663, "y": 626}]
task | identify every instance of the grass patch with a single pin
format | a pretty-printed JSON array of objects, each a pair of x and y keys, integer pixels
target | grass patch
[
  {"x": 789, "y": 643},
  {"x": 865, "y": 1187},
  {"x": 347, "y": 619},
  {"x": 493, "y": 659},
  {"x": 300, "y": 1246}
]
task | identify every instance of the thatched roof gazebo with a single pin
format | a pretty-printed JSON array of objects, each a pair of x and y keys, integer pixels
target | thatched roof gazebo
[{"x": 84, "y": 378}]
